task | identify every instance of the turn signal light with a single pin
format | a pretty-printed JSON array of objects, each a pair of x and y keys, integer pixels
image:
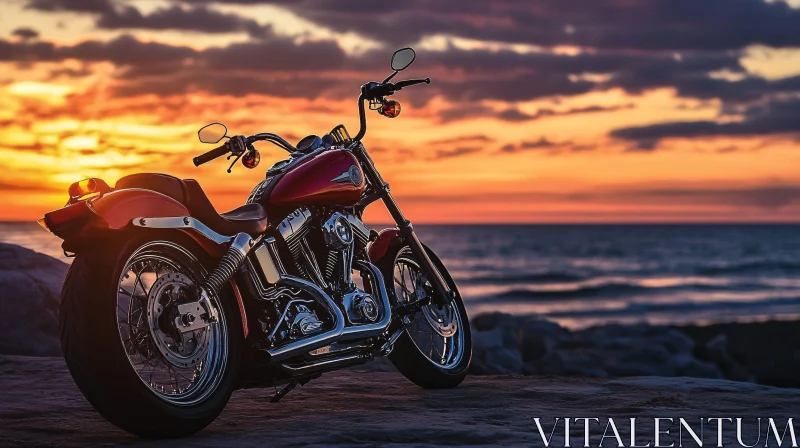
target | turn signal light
[
  {"x": 251, "y": 159},
  {"x": 88, "y": 186},
  {"x": 82, "y": 188},
  {"x": 390, "y": 108}
]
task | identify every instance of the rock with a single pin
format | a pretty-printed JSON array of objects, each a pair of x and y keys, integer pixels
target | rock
[
  {"x": 488, "y": 321},
  {"x": 539, "y": 337},
  {"x": 30, "y": 286},
  {"x": 640, "y": 360},
  {"x": 501, "y": 341},
  {"x": 717, "y": 351},
  {"x": 504, "y": 360},
  {"x": 769, "y": 351},
  {"x": 483, "y": 343},
  {"x": 687, "y": 365}
]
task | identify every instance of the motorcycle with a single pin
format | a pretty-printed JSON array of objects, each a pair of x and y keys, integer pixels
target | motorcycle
[{"x": 170, "y": 306}]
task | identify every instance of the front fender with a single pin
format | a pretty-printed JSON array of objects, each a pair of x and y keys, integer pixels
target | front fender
[{"x": 387, "y": 238}]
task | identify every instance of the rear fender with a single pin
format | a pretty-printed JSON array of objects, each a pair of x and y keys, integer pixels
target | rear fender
[{"x": 88, "y": 221}]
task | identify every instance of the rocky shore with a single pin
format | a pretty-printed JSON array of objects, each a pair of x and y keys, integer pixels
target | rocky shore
[{"x": 767, "y": 353}]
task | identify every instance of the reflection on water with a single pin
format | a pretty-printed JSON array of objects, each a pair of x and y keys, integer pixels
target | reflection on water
[{"x": 586, "y": 275}]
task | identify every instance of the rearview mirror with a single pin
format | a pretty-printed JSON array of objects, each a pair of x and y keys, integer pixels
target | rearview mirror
[
  {"x": 402, "y": 58},
  {"x": 212, "y": 133}
]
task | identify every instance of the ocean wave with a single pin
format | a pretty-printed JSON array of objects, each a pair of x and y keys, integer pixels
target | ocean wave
[
  {"x": 638, "y": 308},
  {"x": 537, "y": 278},
  {"x": 616, "y": 290},
  {"x": 761, "y": 266}
]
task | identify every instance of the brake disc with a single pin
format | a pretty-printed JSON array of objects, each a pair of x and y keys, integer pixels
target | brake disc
[
  {"x": 167, "y": 303},
  {"x": 442, "y": 320}
]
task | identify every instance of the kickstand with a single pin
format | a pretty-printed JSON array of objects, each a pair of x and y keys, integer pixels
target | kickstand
[
  {"x": 290, "y": 387},
  {"x": 282, "y": 393}
]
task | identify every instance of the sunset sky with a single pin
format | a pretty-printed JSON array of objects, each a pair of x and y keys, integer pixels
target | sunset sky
[{"x": 539, "y": 110}]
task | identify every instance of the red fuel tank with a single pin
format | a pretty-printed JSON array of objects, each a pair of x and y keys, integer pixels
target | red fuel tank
[{"x": 330, "y": 178}]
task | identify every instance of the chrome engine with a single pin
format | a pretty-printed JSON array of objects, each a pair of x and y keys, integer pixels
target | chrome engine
[{"x": 321, "y": 250}]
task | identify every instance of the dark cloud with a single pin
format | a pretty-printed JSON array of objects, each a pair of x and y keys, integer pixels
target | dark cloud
[
  {"x": 636, "y": 45},
  {"x": 546, "y": 146},
  {"x": 512, "y": 114},
  {"x": 652, "y": 25},
  {"x": 198, "y": 18},
  {"x": 25, "y": 33},
  {"x": 542, "y": 143},
  {"x": 92, "y": 6},
  {"x": 774, "y": 117},
  {"x": 455, "y": 152},
  {"x": 477, "y": 138},
  {"x": 119, "y": 15},
  {"x": 222, "y": 83},
  {"x": 493, "y": 75}
]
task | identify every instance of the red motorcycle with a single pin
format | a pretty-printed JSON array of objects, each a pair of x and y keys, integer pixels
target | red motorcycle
[{"x": 169, "y": 306}]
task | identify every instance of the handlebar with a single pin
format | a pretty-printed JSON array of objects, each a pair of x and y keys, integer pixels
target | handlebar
[
  {"x": 211, "y": 155},
  {"x": 374, "y": 91}
]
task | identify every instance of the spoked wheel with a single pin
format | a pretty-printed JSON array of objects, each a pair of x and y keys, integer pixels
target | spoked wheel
[
  {"x": 146, "y": 350},
  {"x": 167, "y": 334},
  {"x": 436, "y": 348}
]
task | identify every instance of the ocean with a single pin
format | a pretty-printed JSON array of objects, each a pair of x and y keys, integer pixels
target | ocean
[{"x": 584, "y": 275}]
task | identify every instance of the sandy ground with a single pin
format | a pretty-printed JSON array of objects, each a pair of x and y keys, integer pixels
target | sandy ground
[{"x": 40, "y": 405}]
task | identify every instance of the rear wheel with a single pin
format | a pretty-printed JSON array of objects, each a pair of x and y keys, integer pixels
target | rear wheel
[
  {"x": 145, "y": 352},
  {"x": 436, "y": 348}
]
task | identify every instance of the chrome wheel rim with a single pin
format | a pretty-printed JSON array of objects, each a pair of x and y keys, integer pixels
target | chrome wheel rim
[
  {"x": 436, "y": 332},
  {"x": 181, "y": 369}
]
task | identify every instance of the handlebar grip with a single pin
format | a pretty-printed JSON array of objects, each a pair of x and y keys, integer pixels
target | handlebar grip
[
  {"x": 399, "y": 85},
  {"x": 211, "y": 155}
]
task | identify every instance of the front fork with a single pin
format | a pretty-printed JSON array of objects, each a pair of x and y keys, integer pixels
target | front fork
[{"x": 442, "y": 292}]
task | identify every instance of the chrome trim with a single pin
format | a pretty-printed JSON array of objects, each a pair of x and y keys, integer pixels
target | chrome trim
[
  {"x": 265, "y": 290},
  {"x": 311, "y": 260},
  {"x": 342, "y": 178},
  {"x": 293, "y": 223},
  {"x": 283, "y": 316},
  {"x": 333, "y": 239},
  {"x": 182, "y": 222},
  {"x": 327, "y": 364},
  {"x": 267, "y": 263},
  {"x": 359, "y": 228},
  {"x": 242, "y": 242},
  {"x": 316, "y": 341},
  {"x": 378, "y": 328}
]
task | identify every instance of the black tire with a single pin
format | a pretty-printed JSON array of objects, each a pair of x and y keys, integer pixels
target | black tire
[
  {"x": 406, "y": 356},
  {"x": 94, "y": 352}
]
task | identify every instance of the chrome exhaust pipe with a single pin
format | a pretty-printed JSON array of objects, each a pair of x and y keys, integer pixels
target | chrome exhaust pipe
[
  {"x": 339, "y": 332},
  {"x": 333, "y": 363},
  {"x": 312, "y": 342}
]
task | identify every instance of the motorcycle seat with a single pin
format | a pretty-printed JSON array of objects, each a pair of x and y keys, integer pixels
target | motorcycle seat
[{"x": 249, "y": 218}]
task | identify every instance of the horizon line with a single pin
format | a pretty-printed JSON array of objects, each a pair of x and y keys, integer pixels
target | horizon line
[{"x": 547, "y": 223}]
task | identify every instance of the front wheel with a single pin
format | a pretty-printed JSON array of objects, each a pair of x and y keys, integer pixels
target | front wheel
[
  {"x": 140, "y": 345},
  {"x": 436, "y": 348}
]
